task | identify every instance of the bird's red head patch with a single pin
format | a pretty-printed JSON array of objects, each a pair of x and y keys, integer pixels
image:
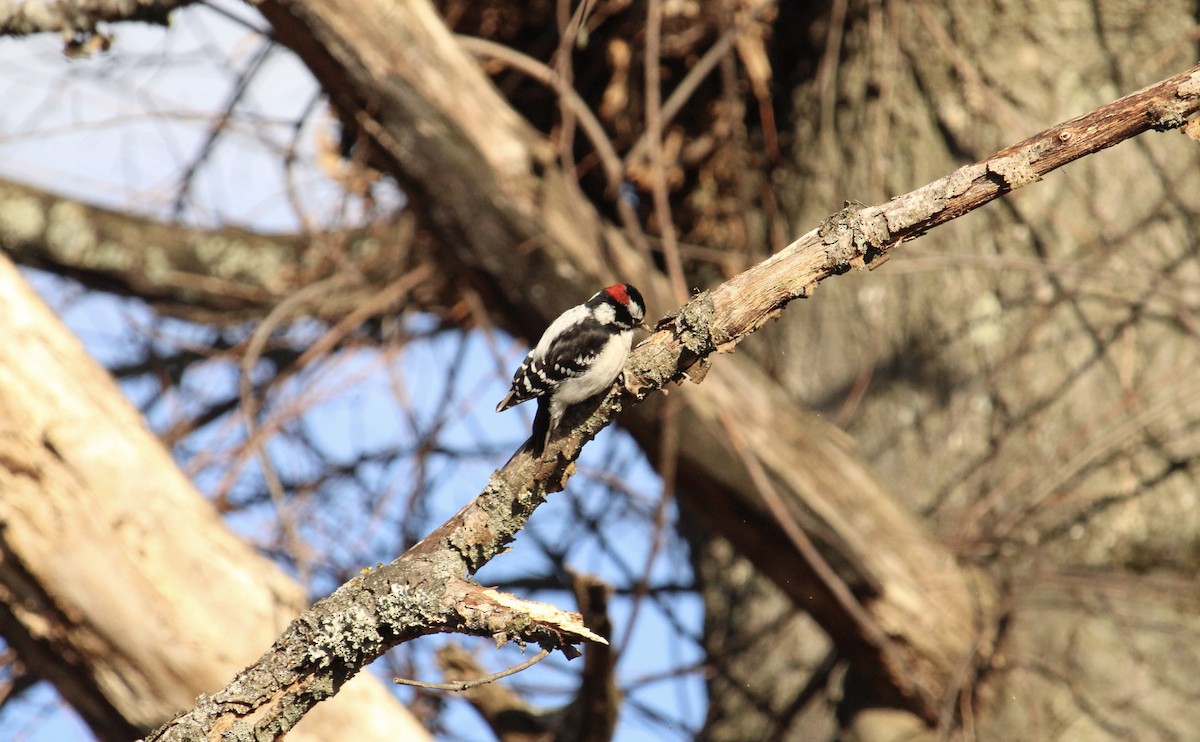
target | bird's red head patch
[{"x": 618, "y": 293}]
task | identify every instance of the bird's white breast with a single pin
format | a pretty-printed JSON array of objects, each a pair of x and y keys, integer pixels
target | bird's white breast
[{"x": 600, "y": 376}]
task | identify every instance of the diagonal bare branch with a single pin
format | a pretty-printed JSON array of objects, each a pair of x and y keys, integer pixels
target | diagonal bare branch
[
  {"x": 422, "y": 592},
  {"x": 221, "y": 276}
]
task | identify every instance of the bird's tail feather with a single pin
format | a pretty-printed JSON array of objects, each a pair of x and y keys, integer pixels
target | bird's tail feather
[{"x": 541, "y": 427}]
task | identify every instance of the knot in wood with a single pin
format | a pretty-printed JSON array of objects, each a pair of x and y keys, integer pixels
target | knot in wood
[
  {"x": 695, "y": 326},
  {"x": 843, "y": 236}
]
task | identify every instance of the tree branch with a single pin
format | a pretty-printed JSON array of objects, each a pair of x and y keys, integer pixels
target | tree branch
[
  {"x": 420, "y": 592},
  {"x": 220, "y": 276},
  {"x": 858, "y": 237},
  {"x": 508, "y": 192},
  {"x": 509, "y": 716},
  {"x": 478, "y": 680},
  {"x": 23, "y": 17}
]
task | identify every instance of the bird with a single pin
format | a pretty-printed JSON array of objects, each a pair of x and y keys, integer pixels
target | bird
[{"x": 579, "y": 356}]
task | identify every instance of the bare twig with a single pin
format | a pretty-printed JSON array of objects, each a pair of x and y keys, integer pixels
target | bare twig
[
  {"x": 609, "y": 160},
  {"x": 614, "y": 167},
  {"x": 569, "y": 30},
  {"x": 668, "y": 463},
  {"x": 221, "y": 125},
  {"x": 654, "y": 136},
  {"x": 696, "y": 74},
  {"x": 376, "y": 304},
  {"x": 254, "y": 436},
  {"x": 468, "y": 684},
  {"x": 511, "y": 717}
]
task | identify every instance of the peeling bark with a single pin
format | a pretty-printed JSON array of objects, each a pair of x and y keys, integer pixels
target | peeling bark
[{"x": 120, "y": 584}]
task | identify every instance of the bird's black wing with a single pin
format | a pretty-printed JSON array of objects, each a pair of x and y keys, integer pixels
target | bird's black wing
[{"x": 564, "y": 359}]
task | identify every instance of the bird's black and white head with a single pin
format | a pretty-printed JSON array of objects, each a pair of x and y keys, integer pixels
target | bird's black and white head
[{"x": 621, "y": 304}]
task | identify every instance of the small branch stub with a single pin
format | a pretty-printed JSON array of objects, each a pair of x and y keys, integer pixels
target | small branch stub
[
  {"x": 695, "y": 326},
  {"x": 844, "y": 238}
]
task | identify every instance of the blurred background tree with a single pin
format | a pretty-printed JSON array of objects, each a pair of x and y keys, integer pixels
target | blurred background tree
[{"x": 310, "y": 242}]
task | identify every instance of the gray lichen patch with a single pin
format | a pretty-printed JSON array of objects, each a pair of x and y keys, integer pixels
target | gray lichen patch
[
  {"x": 844, "y": 236},
  {"x": 112, "y": 256},
  {"x": 69, "y": 235},
  {"x": 694, "y": 323},
  {"x": 364, "y": 249},
  {"x": 343, "y": 637},
  {"x": 156, "y": 265},
  {"x": 22, "y": 220},
  {"x": 236, "y": 260},
  {"x": 404, "y": 607}
]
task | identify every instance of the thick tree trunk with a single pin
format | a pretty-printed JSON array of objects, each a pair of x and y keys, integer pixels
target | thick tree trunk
[
  {"x": 120, "y": 584},
  {"x": 1029, "y": 370}
]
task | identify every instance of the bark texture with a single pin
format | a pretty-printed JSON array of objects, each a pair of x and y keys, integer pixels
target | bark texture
[
  {"x": 1026, "y": 367},
  {"x": 120, "y": 584}
]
